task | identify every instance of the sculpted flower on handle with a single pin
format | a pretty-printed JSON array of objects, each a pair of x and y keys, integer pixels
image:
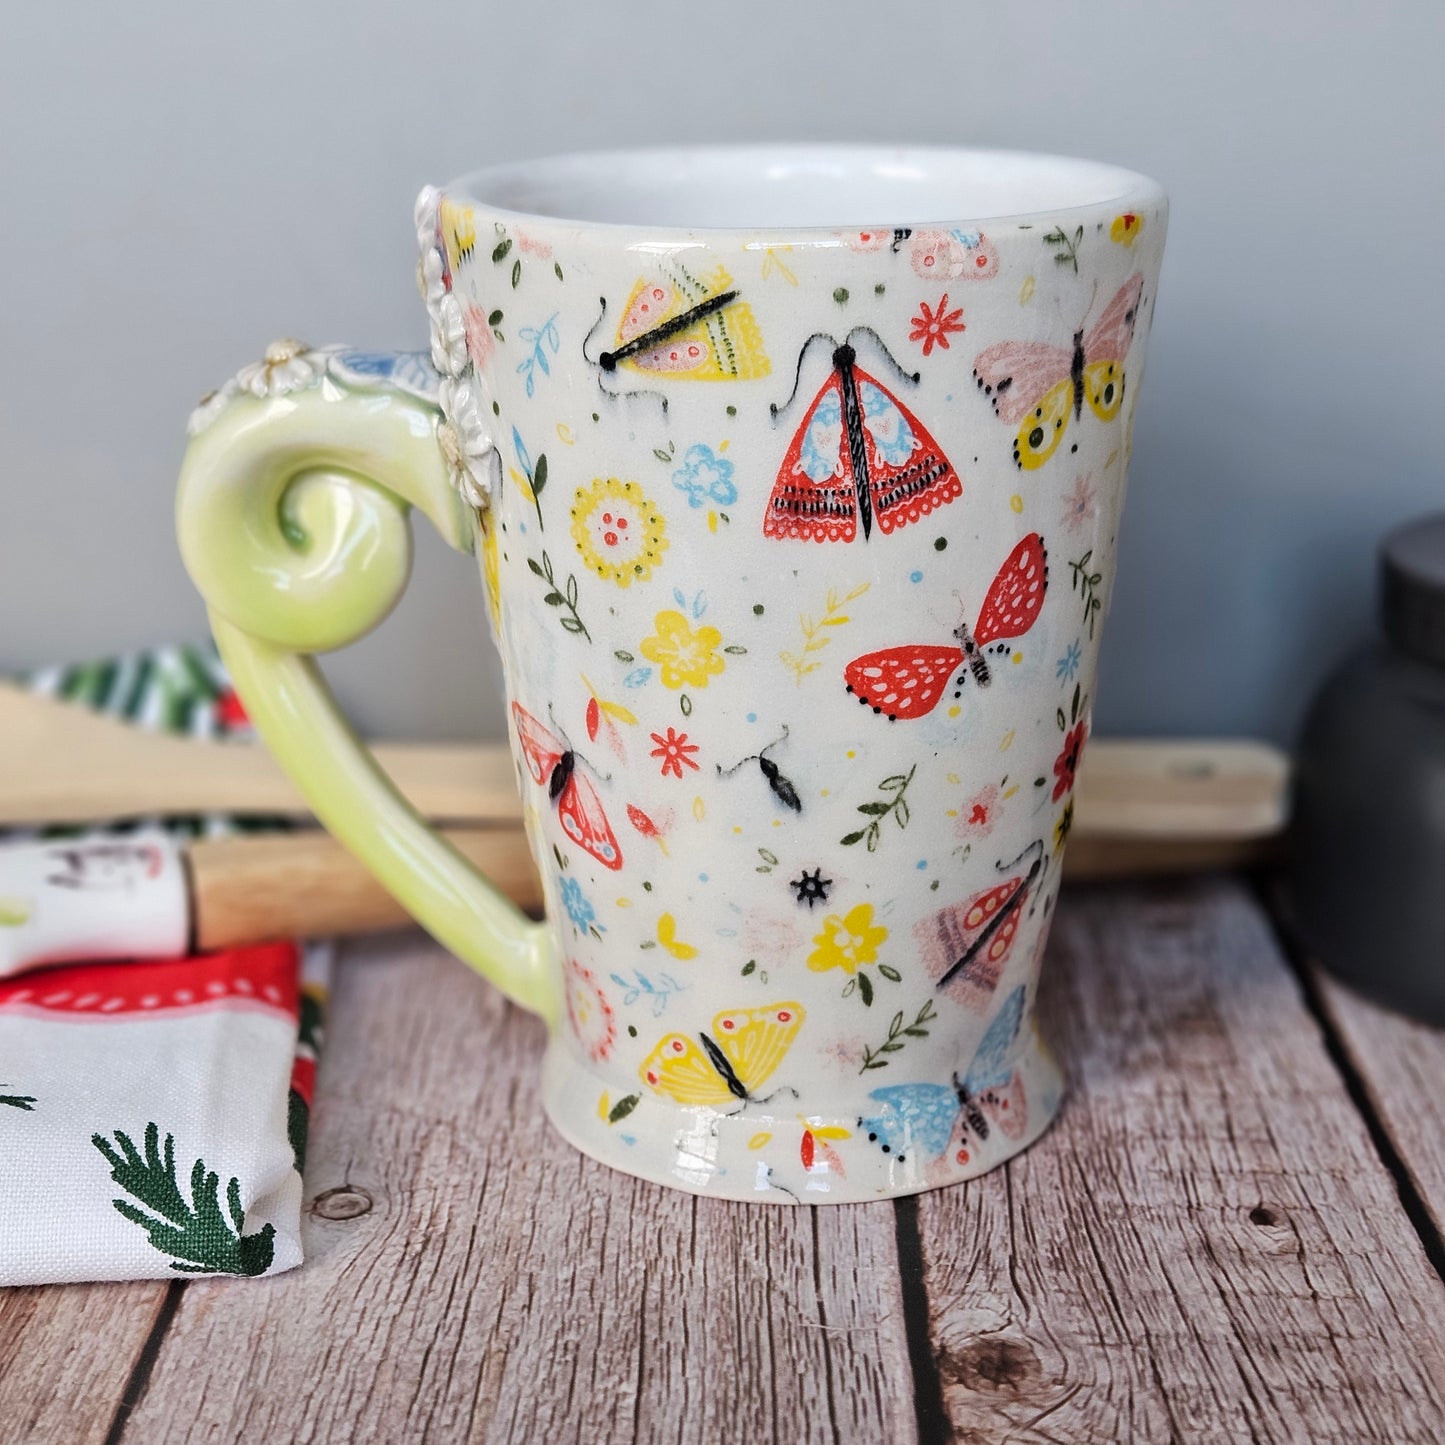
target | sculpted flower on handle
[
  {"x": 465, "y": 441},
  {"x": 463, "y": 437},
  {"x": 288, "y": 365}
]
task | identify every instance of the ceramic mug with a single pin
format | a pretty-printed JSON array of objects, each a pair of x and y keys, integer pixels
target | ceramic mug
[{"x": 794, "y": 476}]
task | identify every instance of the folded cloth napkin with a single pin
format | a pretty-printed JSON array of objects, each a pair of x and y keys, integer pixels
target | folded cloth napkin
[{"x": 153, "y": 1112}]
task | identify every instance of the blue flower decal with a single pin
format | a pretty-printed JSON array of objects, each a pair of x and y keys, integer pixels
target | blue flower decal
[
  {"x": 1068, "y": 664},
  {"x": 705, "y": 477},
  {"x": 579, "y": 910}
]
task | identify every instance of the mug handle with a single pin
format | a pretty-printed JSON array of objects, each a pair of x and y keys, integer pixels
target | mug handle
[{"x": 292, "y": 515}]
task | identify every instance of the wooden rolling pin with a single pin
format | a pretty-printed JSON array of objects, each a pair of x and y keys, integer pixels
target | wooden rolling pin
[
  {"x": 225, "y": 892},
  {"x": 255, "y": 886},
  {"x": 1141, "y": 807},
  {"x": 282, "y": 885}
]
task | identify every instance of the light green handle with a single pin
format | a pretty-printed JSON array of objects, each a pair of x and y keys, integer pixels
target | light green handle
[{"x": 292, "y": 514}]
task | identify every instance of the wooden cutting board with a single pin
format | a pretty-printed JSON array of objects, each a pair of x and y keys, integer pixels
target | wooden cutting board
[{"x": 60, "y": 763}]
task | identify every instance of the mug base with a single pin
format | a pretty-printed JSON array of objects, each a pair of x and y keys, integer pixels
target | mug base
[{"x": 778, "y": 1151}]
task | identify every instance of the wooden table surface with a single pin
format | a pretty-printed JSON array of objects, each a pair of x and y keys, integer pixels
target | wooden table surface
[{"x": 1232, "y": 1233}]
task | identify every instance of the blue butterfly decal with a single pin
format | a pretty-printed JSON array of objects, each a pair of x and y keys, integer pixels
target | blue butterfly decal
[
  {"x": 408, "y": 371},
  {"x": 920, "y": 1118}
]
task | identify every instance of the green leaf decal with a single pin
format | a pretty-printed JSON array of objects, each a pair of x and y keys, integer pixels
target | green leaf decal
[{"x": 623, "y": 1107}]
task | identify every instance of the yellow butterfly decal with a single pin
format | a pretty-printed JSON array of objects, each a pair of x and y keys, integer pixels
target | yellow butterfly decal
[
  {"x": 692, "y": 328},
  {"x": 458, "y": 227},
  {"x": 731, "y": 1063}
]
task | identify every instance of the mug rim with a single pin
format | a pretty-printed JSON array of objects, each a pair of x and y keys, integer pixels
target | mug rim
[{"x": 496, "y": 188}]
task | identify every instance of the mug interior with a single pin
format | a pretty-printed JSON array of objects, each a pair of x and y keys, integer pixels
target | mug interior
[{"x": 800, "y": 186}]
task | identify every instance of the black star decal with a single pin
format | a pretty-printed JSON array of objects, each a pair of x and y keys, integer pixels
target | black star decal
[{"x": 812, "y": 887}]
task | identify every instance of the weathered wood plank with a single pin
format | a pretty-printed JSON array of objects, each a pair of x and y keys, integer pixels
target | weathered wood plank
[
  {"x": 66, "y": 1355},
  {"x": 1206, "y": 1246},
  {"x": 1401, "y": 1064},
  {"x": 501, "y": 1287}
]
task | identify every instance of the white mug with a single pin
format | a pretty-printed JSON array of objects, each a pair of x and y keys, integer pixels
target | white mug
[{"x": 795, "y": 477}]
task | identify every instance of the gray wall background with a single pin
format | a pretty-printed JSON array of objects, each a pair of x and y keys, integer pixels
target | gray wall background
[{"x": 182, "y": 183}]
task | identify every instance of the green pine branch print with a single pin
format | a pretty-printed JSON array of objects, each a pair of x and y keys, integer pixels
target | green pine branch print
[
  {"x": 200, "y": 1238},
  {"x": 18, "y": 1101}
]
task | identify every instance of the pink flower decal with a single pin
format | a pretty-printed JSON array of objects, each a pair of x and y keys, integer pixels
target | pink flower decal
[
  {"x": 868, "y": 240},
  {"x": 1079, "y": 503},
  {"x": 480, "y": 341},
  {"x": 953, "y": 255},
  {"x": 976, "y": 818},
  {"x": 591, "y": 1016}
]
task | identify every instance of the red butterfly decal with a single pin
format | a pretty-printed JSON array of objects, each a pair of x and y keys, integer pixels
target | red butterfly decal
[
  {"x": 553, "y": 764},
  {"x": 907, "y": 682},
  {"x": 966, "y": 945},
  {"x": 1034, "y": 385},
  {"x": 859, "y": 454}
]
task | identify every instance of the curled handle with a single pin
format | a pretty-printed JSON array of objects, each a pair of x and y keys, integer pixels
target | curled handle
[{"x": 292, "y": 514}]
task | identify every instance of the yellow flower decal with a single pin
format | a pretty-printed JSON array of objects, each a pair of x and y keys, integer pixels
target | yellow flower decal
[
  {"x": 619, "y": 532},
  {"x": 688, "y": 657},
  {"x": 1063, "y": 826},
  {"x": 1126, "y": 228},
  {"x": 847, "y": 942},
  {"x": 459, "y": 231}
]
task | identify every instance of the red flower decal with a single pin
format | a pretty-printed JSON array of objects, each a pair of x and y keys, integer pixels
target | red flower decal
[
  {"x": 1067, "y": 762},
  {"x": 673, "y": 749},
  {"x": 932, "y": 327}
]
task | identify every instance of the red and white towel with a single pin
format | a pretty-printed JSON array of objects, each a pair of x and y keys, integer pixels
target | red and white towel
[{"x": 153, "y": 1113}]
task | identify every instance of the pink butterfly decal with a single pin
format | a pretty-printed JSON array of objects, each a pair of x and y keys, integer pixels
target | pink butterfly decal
[
  {"x": 907, "y": 682},
  {"x": 554, "y": 765},
  {"x": 966, "y": 946},
  {"x": 1034, "y": 386}
]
